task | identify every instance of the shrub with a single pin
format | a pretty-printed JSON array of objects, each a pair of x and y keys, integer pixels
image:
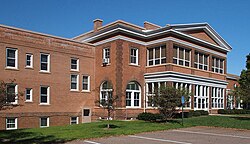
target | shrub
[
  {"x": 196, "y": 113},
  {"x": 149, "y": 116},
  {"x": 234, "y": 111},
  {"x": 203, "y": 112}
]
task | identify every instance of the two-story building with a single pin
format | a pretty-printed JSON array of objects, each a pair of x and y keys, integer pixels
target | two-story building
[{"x": 63, "y": 78}]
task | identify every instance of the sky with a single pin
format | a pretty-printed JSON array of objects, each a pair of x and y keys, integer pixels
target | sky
[{"x": 69, "y": 18}]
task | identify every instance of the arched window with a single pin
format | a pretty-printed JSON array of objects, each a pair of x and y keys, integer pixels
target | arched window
[
  {"x": 133, "y": 95},
  {"x": 106, "y": 90}
]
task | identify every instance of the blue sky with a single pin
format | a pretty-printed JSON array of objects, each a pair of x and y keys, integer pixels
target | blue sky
[{"x": 68, "y": 18}]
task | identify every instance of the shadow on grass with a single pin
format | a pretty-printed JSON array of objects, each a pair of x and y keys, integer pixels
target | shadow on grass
[
  {"x": 110, "y": 126},
  {"x": 241, "y": 118},
  {"x": 22, "y": 137}
]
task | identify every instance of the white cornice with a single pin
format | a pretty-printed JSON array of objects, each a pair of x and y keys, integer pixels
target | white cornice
[{"x": 119, "y": 37}]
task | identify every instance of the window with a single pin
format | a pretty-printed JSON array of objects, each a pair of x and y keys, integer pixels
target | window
[
  {"x": 74, "y": 82},
  {"x": 157, "y": 55},
  {"x": 44, "y": 95},
  {"x": 151, "y": 88},
  {"x": 217, "y": 98},
  {"x": 74, "y": 64},
  {"x": 133, "y": 95},
  {"x": 73, "y": 120},
  {"x": 45, "y": 62},
  {"x": 134, "y": 56},
  {"x": 29, "y": 60},
  {"x": 11, "y": 123},
  {"x": 188, "y": 87},
  {"x": 28, "y": 95},
  {"x": 201, "y": 101},
  {"x": 85, "y": 83},
  {"x": 12, "y": 92},
  {"x": 181, "y": 56},
  {"x": 201, "y": 61},
  {"x": 218, "y": 65},
  {"x": 106, "y": 91},
  {"x": 44, "y": 122},
  {"x": 106, "y": 55},
  {"x": 86, "y": 112},
  {"x": 11, "y": 58}
]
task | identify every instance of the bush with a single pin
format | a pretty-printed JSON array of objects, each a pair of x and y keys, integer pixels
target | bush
[
  {"x": 196, "y": 113},
  {"x": 149, "y": 116},
  {"x": 203, "y": 112},
  {"x": 233, "y": 111}
]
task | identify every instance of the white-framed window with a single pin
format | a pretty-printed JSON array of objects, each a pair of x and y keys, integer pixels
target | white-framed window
[
  {"x": 85, "y": 83},
  {"x": 29, "y": 60},
  {"x": 106, "y": 55},
  {"x": 106, "y": 91},
  {"x": 134, "y": 56},
  {"x": 157, "y": 55},
  {"x": 28, "y": 95},
  {"x": 74, "y": 64},
  {"x": 73, "y": 120},
  {"x": 12, "y": 94},
  {"x": 179, "y": 85},
  {"x": 44, "y": 94},
  {"x": 44, "y": 122},
  {"x": 151, "y": 89},
  {"x": 218, "y": 65},
  {"x": 201, "y": 97},
  {"x": 11, "y": 58},
  {"x": 201, "y": 61},
  {"x": 181, "y": 56},
  {"x": 74, "y": 82},
  {"x": 133, "y": 95},
  {"x": 218, "y": 98},
  {"x": 11, "y": 123},
  {"x": 45, "y": 62}
]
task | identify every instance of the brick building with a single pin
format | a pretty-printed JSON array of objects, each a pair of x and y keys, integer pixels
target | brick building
[{"x": 62, "y": 78}]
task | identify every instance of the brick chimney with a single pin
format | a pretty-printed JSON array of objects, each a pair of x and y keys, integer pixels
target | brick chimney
[
  {"x": 150, "y": 26},
  {"x": 97, "y": 24}
]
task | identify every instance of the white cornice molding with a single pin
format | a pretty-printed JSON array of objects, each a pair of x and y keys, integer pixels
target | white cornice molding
[{"x": 119, "y": 37}]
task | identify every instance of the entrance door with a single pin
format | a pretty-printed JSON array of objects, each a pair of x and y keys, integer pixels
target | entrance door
[{"x": 86, "y": 115}]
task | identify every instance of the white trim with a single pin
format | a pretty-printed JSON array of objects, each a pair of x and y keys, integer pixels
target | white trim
[
  {"x": 47, "y": 118},
  {"x": 88, "y": 90},
  {"x": 16, "y": 58},
  {"x": 11, "y": 123},
  {"x": 77, "y": 120},
  {"x": 150, "y": 35},
  {"x": 77, "y": 64},
  {"x": 31, "y": 94},
  {"x": 77, "y": 82},
  {"x": 31, "y": 60},
  {"x": 132, "y": 98},
  {"x": 137, "y": 56},
  {"x": 48, "y": 62},
  {"x": 159, "y": 41},
  {"x": 48, "y": 95}
]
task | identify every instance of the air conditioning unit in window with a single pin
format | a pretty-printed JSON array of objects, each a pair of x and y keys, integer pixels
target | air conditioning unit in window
[{"x": 105, "y": 61}]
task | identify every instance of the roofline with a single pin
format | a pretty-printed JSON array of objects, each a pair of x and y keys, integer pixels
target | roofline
[{"x": 43, "y": 34}]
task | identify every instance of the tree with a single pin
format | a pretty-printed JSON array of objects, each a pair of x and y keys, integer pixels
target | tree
[
  {"x": 167, "y": 99},
  {"x": 8, "y": 95},
  {"x": 109, "y": 105},
  {"x": 244, "y": 89}
]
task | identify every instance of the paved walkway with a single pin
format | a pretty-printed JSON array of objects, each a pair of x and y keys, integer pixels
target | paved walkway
[{"x": 194, "y": 135}]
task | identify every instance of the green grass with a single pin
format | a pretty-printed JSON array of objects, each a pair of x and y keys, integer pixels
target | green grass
[{"x": 97, "y": 129}]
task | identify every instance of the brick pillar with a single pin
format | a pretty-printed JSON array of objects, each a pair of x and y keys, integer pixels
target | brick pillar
[
  {"x": 169, "y": 51},
  {"x": 192, "y": 97}
]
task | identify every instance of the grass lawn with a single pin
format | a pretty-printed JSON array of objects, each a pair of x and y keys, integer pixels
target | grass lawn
[{"x": 97, "y": 129}]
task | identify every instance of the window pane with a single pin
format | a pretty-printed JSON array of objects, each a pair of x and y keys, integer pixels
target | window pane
[
  {"x": 175, "y": 52},
  {"x": 86, "y": 112},
  {"x": 44, "y": 90},
  {"x": 44, "y": 122},
  {"x": 163, "y": 51},
  {"x": 44, "y": 58},
  {"x": 150, "y": 53},
  {"x": 221, "y": 63},
  {"x": 43, "y": 99},
  {"x": 196, "y": 57},
  {"x": 157, "y": 52},
  {"x": 181, "y": 53},
  {"x": 11, "y": 62},
  {"x": 187, "y": 55},
  {"x": 201, "y": 59},
  {"x": 205, "y": 60},
  {"x": 11, "y": 97}
]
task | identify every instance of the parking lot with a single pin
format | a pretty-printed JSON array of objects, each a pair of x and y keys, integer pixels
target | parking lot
[{"x": 194, "y": 135}]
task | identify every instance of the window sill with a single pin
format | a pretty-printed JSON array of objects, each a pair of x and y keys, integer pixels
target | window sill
[
  {"x": 132, "y": 107},
  {"x": 11, "y": 68},
  {"x": 44, "y": 104},
  {"x": 85, "y": 91},
  {"x": 44, "y": 126},
  {"x": 45, "y": 72},
  {"x": 136, "y": 65},
  {"x": 11, "y": 128},
  {"x": 103, "y": 65},
  {"x": 73, "y": 70},
  {"x": 29, "y": 68},
  {"x": 72, "y": 90}
]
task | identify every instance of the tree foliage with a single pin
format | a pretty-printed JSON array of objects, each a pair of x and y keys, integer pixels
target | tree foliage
[
  {"x": 168, "y": 100},
  {"x": 243, "y": 91},
  {"x": 8, "y": 96}
]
